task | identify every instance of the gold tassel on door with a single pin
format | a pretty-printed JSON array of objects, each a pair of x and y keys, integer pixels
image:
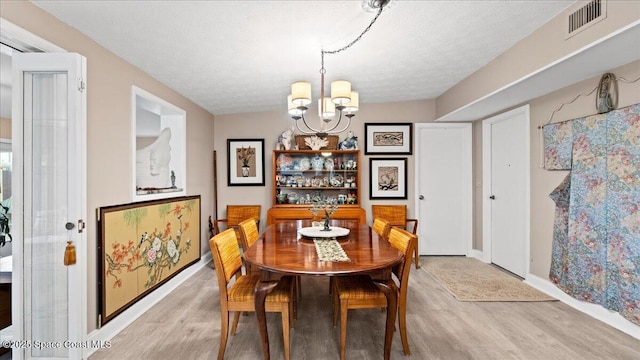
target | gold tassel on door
[{"x": 70, "y": 254}]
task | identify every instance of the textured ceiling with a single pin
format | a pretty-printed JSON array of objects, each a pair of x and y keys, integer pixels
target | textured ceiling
[{"x": 242, "y": 56}]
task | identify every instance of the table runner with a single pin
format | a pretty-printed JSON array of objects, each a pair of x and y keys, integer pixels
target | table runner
[{"x": 330, "y": 250}]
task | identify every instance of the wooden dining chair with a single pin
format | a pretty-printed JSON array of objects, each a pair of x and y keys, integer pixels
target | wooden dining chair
[
  {"x": 397, "y": 216},
  {"x": 381, "y": 227},
  {"x": 239, "y": 296},
  {"x": 236, "y": 214},
  {"x": 249, "y": 234},
  {"x": 360, "y": 292}
]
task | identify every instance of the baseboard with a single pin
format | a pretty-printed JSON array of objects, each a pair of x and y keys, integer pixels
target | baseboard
[
  {"x": 111, "y": 329},
  {"x": 476, "y": 254},
  {"x": 609, "y": 317}
]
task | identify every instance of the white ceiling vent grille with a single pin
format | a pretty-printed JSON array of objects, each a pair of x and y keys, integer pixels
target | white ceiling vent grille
[{"x": 585, "y": 14}]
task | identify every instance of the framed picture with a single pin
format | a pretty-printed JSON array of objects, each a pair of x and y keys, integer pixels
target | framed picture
[
  {"x": 245, "y": 162},
  {"x": 141, "y": 246},
  {"x": 388, "y": 138},
  {"x": 387, "y": 178}
]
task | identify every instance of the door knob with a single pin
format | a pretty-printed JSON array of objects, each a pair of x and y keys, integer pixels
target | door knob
[
  {"x": 69, "y": 226},
  {"x": 492, "y": 197},
  {"x": 421, "y": 197}
]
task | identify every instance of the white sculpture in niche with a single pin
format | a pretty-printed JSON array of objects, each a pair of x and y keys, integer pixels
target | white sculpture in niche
[{"x": 152, "y": 163}]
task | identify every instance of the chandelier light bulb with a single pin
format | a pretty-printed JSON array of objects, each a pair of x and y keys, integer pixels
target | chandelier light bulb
[
  {"x": 352, "y": 106},
  {"x": 340, "y": 92},
  {"x": 293, "y": 108},
  {"x": 301, "y": 93},
  {"x": 329, "y": 109}
]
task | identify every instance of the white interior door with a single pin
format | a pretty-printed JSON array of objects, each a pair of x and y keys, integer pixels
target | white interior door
[
  {"x": 444, "y": 185},
  {"x": 49, "y": 180},
  {"x": 506, "y": 136}
]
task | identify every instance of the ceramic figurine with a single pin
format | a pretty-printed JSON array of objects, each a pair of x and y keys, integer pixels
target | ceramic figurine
[
  {"x": 286, "y": 138},
  {"x": 349, "y": 143}
]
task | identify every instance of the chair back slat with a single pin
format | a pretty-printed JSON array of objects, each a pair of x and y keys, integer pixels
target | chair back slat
[
  {"x": 381, "y": 227},
  {"x": 405, "y": 242},
  {"x": 226, "y": 254},
  {"x": 238, "y": 213},
  {"x": 249, "y": 233},
  {"x": 396, "y": 215}
]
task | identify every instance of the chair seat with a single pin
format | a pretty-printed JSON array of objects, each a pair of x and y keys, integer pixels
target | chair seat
[
  {"x": 242, "y": 289},
  {"x": 358, "y": 287}
]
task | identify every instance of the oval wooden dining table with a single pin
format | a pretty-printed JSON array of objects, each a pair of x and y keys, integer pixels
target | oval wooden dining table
[{"x": 281, "y": 250}]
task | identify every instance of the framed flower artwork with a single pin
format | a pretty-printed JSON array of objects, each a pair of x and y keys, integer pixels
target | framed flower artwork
[
  {"x": 245, "y": 162},
  {"x": 387, "y": 178}
]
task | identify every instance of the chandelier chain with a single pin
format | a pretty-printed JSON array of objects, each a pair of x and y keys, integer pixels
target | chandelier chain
[{"x": 356, "y": 39}]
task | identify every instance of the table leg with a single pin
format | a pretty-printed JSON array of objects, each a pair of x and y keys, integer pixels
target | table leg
[
  {"x": 391, "y": 292},
  {"x": 262, "y": 289}
]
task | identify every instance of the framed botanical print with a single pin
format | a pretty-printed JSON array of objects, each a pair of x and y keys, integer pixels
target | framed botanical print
[
  {"x": 387, "y": 178},
  {"x": 388, "y": 138},
  {"x": 245, "y": 162}
]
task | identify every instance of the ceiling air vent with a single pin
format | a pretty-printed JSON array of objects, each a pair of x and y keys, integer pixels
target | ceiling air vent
[{"x": 583, "y": 15}]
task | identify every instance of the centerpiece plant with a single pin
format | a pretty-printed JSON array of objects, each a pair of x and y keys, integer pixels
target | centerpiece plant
[{"x": 325, "y": 207}]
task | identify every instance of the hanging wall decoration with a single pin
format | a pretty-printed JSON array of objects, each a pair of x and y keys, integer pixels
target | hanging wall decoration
[
  {"x": 596, "y": 243},
  {"x": 141, "y": 246},
  {"x": 245, "y": 162}
]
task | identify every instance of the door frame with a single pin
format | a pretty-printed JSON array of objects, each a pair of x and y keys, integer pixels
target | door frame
[
  {"x": 468, "y": 188},
  {"x": 17, "y": 312},
  {"x": 487, "y": 181}
]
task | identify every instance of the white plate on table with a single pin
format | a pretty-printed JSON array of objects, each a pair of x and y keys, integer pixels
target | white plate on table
[{"x": 316, "y": 232}]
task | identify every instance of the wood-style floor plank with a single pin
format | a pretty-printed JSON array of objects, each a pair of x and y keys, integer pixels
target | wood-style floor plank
[{"x": 186, "y": 325}]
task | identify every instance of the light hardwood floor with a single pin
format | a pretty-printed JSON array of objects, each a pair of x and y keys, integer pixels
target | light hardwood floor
[{"x": 186, "y": 325}]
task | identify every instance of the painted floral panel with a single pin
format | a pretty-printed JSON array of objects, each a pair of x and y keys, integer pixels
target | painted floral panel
[{"x": 143, "y": 245}]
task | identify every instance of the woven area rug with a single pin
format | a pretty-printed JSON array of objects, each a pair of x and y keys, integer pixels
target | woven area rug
[{"x": 469, "y": 279}]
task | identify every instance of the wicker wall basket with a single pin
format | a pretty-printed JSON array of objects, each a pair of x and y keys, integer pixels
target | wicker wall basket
[{"x": 333, "y": 142}]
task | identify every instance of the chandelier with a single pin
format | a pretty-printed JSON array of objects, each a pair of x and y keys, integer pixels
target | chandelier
[{"x": 342, "y": 98}]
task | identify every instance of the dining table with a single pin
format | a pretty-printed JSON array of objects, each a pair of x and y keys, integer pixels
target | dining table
[{"x": 281, "y": 250}]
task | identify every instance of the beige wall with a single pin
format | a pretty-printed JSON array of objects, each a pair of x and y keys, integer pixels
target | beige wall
[
  {"x": 543, "y": 181},
  {"x": 109, "y": 81},
  {"x": 269, "y": 125},
  {"x": 540, "y": 48},
  {"x": 5, "y": 128}
]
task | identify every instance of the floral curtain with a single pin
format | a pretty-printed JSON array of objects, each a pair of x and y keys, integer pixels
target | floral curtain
[{"x": 596, "y": 249}]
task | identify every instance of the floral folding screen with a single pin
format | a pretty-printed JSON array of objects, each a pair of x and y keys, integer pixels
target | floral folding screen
[
  {"x": 141, "y": 246},
  {"x": 596, "y": 244}
]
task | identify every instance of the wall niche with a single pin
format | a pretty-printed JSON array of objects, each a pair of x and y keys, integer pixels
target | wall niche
[{"x": 159, "y": 148}]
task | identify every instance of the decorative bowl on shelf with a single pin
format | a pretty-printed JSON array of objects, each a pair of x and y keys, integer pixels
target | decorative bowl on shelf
[
  {"x": 284, "y": 162},
  {"x": 337, "y": 181},
  {"x": 305, "y": 163}
]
